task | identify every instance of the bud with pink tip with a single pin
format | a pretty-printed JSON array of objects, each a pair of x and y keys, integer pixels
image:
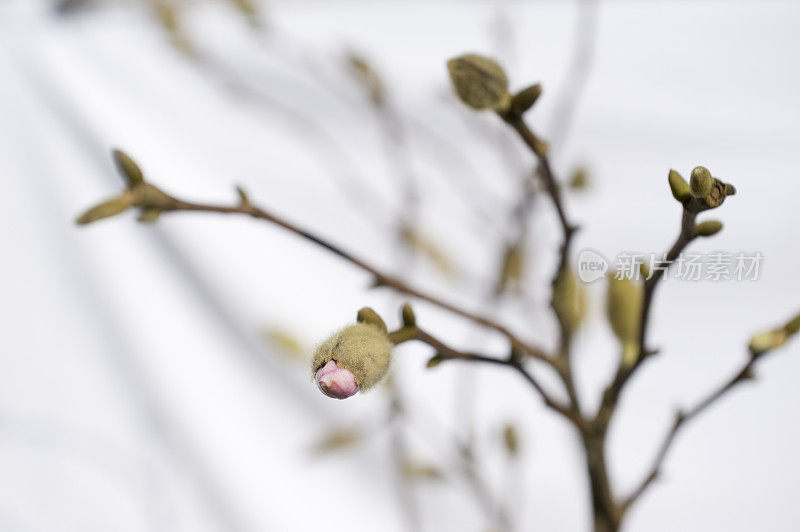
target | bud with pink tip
[
  {"x": 336, "y": 382},
  {"x": 353, "y": 359}
]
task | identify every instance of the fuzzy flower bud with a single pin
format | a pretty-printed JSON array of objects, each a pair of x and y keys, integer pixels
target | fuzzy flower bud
[{"x": 355, "y": 358}]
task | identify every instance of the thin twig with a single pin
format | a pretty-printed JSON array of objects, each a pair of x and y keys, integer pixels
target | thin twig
[
  {"x": 381, "y": 278},
  {"x": 682, "y": 417},
  {"x": 447, "y": 352}
]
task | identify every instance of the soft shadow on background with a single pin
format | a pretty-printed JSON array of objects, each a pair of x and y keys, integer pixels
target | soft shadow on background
[{"x": 155, "y": 377}]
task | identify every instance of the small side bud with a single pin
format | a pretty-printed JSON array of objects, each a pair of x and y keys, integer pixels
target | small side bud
[
  {"x": 127, "y": 168},
  {"x": 709, "y": 228},
  {"x": 147, "y": 195},
  {"x": 511, "y": 440},
  {"x": 700, "y": 182},
  {"x": 244, "y": 200},
  {"x": 767, "y": 341},
  {"x": 362, "y": 350},
  {"x": 793, "y": 326},
  {"x": 679, "y": 187},
  {"x": 479, "y": 82},
  {"x": 106, "y": 209},
  {"x": 579, "y": 179},
  {"x": 369, "y": 316},
  {"x": 149, "y": 214},
  {"x": 524, "y": 99},
  {"x": 434, "y": 361},
  {"x": 409, "y": 320}
]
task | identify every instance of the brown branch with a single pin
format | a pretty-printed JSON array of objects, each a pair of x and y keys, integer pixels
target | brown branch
[
  {"x": 381, "y": 278},
  {"x": 681, "y": 419},
  {"x": 613, "y": 391},
  {"x": 539, "y": 149},
  {"x": 446, "y": 352}
]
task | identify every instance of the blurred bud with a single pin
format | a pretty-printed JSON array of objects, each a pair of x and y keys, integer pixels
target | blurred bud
[
  {"x": 511, "y": 440},
  {"x": 362, "y": 350},
  {"x": 700, "y": 182},
  {"x": 709, "y": 228},
  {"x": 367, "y": 77},
  {"x": 513, "y": 268},
  {"x": 409, "y": 320},
  {"x": 127, "y": 168},
  {"x": 248, "y": 9},
  {"x": 767, "y": 341},
  {"x": 149, "y": 214},
  {"x": 569, "y": 300},
  {"x": 793, "y": 326},
  {"x": 624, "y": 313},
  {"x": 285, "y": 341},
  {"x": 428, "y": 249},
  {"x": 579, "y": 179},
  {"x": 420, "y": 471},
  {"x": 337, "y": 440},
  {"x": 106, "y": 209},
  {"x": 147, "y": 195},
  {"x": 644, "y": 270},
  {"x": 336, "y": 382},
  {"x": 480, "y": 82},
  {"x": 524, "y": 99},
  {"x": 679, "y": 187}
]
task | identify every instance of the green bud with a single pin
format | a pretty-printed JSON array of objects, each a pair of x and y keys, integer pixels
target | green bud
[
  {"x": 679, "y": 187},
  {"x": 363, "y": 349},
  {"x": 150, "y": 214},
  {"x": 511, "y": 440},
  {"x": 479, "y": 82},
  {"x": 793, "y": 326},
  {"x": 579, "y": 179},
  {"x": 700, "y": 182},
  {"x": 624, "y": 307},
  {"x": 243, "y": 198},
  {"x": 709, "y": 228},
  {"x": 409, "y": 320},
  {"x": 127, "y": 168},
  {"x": 524, "y": 99},
  {"x": 434, "y": 361},
  {"x": 367, "y": 315},
  {"x": 106, "y": 209},
  {"x": 767, "y": 341},
  {"x": 147, "y": 195},
  {"x": 569, "y": 300}
]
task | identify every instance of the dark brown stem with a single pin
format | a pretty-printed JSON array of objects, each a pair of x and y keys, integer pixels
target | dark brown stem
[
  {"x": 381, "y": 278},
  {"x": 539, "y": 149},
  {"x": 446, "y": 352},
  {"x": 613, "y": 391},
  {"x": 681, "y": 419}
]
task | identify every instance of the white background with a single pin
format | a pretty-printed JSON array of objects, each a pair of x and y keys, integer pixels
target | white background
[{"x": 135, "y": 390}]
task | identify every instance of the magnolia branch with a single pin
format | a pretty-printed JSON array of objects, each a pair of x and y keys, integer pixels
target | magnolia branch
[
  {"x": 446, "y": 352},
  {"x": 682, "y": 417},
  {"x": 381, "y": 278}
]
